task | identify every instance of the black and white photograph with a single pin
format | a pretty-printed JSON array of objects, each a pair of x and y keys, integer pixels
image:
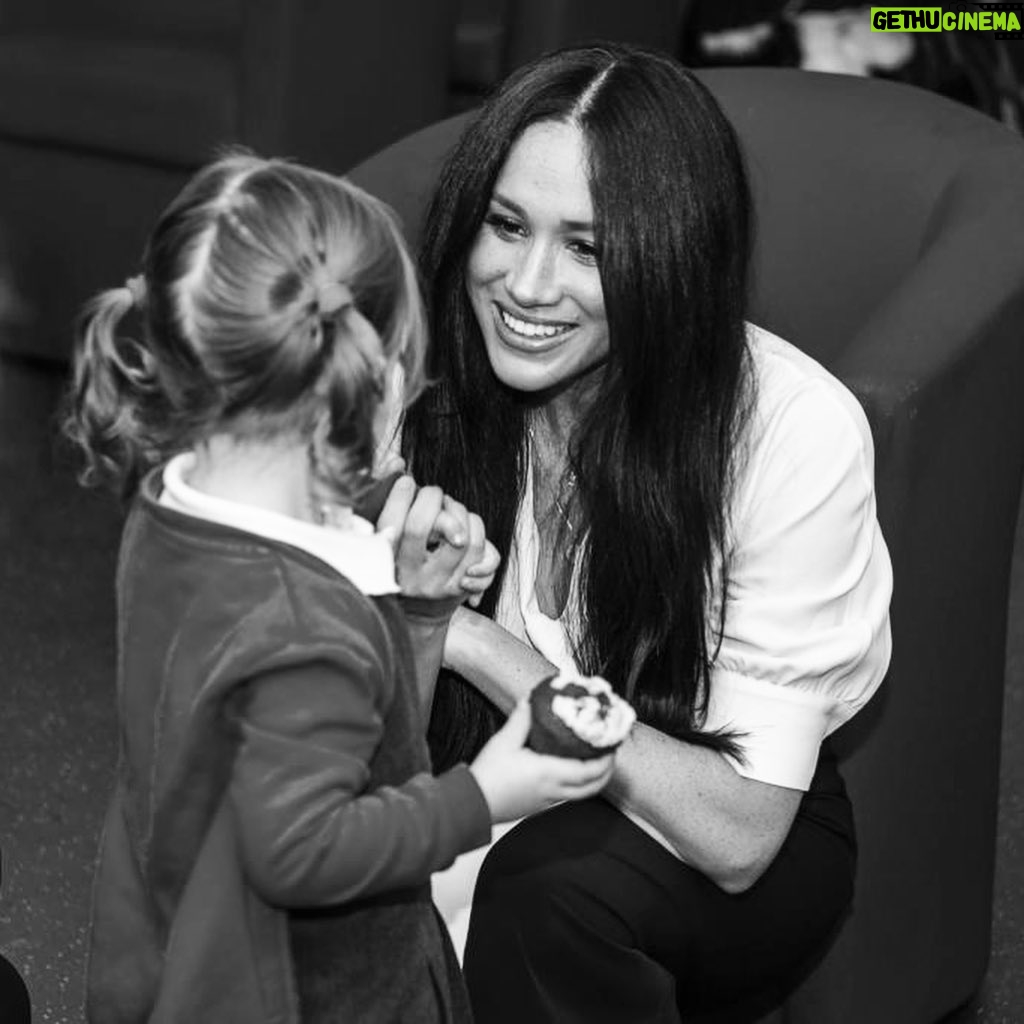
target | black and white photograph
[{"x": 511, "y": 512}]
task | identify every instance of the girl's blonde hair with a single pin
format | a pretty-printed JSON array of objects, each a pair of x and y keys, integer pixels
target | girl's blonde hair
[{"x": 246, "y": 297}]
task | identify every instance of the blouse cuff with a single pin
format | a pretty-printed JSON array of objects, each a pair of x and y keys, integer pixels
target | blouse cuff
[{"x": 778, "y": 729}]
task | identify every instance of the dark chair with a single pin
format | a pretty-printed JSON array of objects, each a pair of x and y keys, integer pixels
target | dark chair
[
  {"x": 891, "y": 247},
  {"x": 106, "y": 107}
]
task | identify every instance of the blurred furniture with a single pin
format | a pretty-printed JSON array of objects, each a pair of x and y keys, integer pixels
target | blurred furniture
[
  {"x": 975, "y": 68},
  {"x": 890, "y": 227},
  {"x": 492, "y": 37},
  {"x": 107, "y": 106}
]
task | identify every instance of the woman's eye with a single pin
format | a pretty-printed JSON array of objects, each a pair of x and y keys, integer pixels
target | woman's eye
[
  {"x": 583, "y": 250},
  {"x": 504, "y": 227}
]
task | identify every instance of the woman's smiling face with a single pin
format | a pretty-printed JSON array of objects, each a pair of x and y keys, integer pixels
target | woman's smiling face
[{"x": 532, "y": 273}]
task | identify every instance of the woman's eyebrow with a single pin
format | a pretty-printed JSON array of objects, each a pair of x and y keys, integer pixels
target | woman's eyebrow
[{"x": 514, "y": 207}]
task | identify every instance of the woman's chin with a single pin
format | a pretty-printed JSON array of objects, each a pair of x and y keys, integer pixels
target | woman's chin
[{"x": 524, "y": 371}]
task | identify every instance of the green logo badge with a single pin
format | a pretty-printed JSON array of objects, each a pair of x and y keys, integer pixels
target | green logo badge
[{"x": 1004, "y": 20}]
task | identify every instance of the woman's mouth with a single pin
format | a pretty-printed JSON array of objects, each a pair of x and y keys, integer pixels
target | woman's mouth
[{"x": 536, "y": 332}]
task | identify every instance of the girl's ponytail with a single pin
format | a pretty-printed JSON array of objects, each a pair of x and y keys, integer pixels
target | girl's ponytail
[
  {"x": 114, "y": 395},
  {"x": 275, "y": 300}
]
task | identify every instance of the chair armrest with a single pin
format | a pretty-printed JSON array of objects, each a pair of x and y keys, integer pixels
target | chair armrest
[
  {"x": 948, "y": 311},
  {"x": 404, "y": 174},
  {"x": 922, "y": 760}
]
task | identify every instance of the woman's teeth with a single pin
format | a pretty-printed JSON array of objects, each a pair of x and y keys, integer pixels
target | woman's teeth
[{"x": 532, "y": 330}]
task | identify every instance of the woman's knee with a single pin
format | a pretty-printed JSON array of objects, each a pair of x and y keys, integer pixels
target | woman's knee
[
  {"x": 558, "y": 846},
  {"x": 554, "y": 920},
  {"x": 524, "y": 866},
  {"x": 573, "y": 870}
]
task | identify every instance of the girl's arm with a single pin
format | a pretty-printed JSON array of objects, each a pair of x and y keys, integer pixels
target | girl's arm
[
  {"x": 427, "y": 622},
  {"x": 310, "y": 832},
  {"x": 726, "y": 826}
]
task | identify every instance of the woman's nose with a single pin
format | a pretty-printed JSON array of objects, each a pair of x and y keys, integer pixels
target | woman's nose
[{"x": 532, "y": 280}]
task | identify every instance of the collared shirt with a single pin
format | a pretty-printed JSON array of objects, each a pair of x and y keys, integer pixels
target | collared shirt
[{"x": 352, "y": 546}]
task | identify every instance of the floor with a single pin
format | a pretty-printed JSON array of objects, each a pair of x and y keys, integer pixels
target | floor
[{"x": 57, "y": 734}]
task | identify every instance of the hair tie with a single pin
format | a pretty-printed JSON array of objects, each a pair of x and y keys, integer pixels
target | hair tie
[
  {"x": 136, "y": 287},
  {"x": 330, "y": 295}
]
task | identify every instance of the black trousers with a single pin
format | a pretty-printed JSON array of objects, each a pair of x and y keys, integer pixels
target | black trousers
[
  {"x": 14, "y": 1002},
  {"x": 580, "y": 916}
]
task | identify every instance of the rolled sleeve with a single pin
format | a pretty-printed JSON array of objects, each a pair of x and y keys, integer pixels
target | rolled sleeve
[
  {"x": 806, "y": 638},
  {"x": 779, "y": 728}
]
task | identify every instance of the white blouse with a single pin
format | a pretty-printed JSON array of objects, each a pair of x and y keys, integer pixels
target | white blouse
[{"x": 806, "y": 639}]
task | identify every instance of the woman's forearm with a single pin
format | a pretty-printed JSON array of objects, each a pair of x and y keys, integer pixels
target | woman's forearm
[
  {"x": 500, "y": 666},
  {"x": 726, "y": 826}
]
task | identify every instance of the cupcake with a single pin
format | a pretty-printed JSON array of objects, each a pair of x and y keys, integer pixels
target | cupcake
[{"x": 577, "y": 716}]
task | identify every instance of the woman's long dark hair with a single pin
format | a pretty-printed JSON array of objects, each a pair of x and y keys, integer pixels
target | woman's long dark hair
[{"x": 656, "y": 452}]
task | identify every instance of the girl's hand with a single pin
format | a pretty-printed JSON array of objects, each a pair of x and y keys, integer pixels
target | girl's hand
[
  {"x": 441, "y": 549},
  {"x": 516, "y": 781},
  {"x": 436, "y": 540}
]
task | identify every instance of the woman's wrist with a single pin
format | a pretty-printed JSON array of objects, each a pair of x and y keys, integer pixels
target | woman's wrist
[
  {"x": 474, "y": 642},
  {"x": 461, "y": 640}
]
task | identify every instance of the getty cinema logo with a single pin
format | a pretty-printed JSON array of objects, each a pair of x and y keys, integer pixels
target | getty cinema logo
[{"x": 1004, "y": 20}]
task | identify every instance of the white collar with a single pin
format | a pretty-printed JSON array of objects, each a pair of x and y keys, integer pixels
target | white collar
[{"x": 353, "y": 548}]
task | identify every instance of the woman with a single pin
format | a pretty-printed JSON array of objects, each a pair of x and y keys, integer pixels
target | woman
[{"x": 687, "y": 508}]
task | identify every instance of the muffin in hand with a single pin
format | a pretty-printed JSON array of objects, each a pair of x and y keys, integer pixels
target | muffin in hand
[{"x": 577, "y": 716}]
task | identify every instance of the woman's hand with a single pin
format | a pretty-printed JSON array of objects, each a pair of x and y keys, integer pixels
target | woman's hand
[
  {"x": 726, "y": 826},
  {"x": 516, "y": 781},
  {"x": 441, "y": 549}
]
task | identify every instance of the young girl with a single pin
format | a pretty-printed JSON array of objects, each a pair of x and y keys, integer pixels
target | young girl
[{"x": 267, "y": 853}]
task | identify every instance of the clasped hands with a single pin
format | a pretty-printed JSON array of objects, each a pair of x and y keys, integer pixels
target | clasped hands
[
  {"x": 441, "y": 548},
  {"x": 442, "y": 554}
]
